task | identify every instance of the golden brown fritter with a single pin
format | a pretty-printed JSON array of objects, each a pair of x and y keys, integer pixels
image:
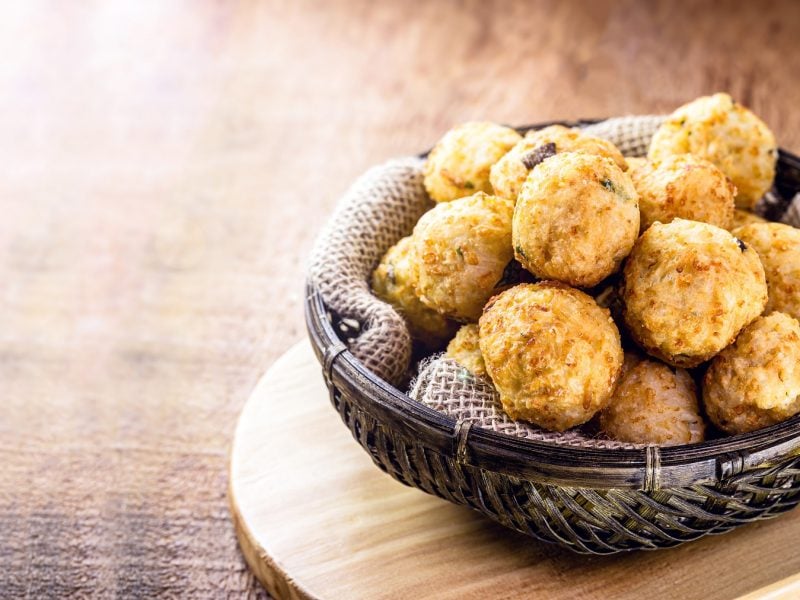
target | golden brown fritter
[
  {"x": 778, "y": 247},
  {"x": 727, "y": 134},
  {"x": 576, "y": 219},
  {"x": 393, "y": 281},
  {"x": 466, "y": 351},
  {"x": 459, "y": 164},
  {"x": 685, "y": 187},
  {"x": 688, "y": 289},
  {"x": 744, "y": 217},
  {"x": 755, "y": 382},
  {"x": 552, "y": 353},
  {"x": 653, "y": 404},
  {"x": 635, "y": 162},
  {"x": 511, "y": 171},
  {"x": 462, "y": 248}
]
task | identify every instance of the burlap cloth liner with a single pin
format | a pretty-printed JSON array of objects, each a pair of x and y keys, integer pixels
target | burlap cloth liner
[{"x": 381, "y": 207}]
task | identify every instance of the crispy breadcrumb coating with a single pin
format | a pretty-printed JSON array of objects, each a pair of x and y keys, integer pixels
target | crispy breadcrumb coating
[
  {"x": 465, "y": 349},
  {"x": 394, "y": 282},
  {"x": 755, "y": 382},
  {"x": 576, "y": 219},
  {"x": 686, "y": 187},
  {"x": 511, "y": 171},
  {"x": 688, "y": 289},
  {"x": 653, "y": 404},
  {"x": 462, "y": 249},
  {"x": 727, "y": 134},
  {"x": 744, "y": 217},
  {"x": 459, "y": 164},
  {"x": 778, "y": 247},
  {"x": 553, "y": 354}
]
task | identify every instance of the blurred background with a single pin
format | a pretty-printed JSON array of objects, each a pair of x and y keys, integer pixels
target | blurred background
[{"x": 165, "y": 168}]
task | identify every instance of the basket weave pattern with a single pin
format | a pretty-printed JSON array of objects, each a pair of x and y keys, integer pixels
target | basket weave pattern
[
  {"x": 584, "y": 519},
  {"x": 623, "y": 507},
  {"x": 591, "y": 500}
]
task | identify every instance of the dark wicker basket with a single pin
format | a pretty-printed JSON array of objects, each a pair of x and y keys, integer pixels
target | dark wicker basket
[{"x": 589, "y": 500}]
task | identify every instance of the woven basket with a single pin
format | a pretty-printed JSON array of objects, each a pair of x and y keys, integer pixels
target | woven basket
[{"x": 586, "y": 499}]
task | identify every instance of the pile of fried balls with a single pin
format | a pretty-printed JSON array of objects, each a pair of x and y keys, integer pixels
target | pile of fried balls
[{"x": 594, "y": 288}]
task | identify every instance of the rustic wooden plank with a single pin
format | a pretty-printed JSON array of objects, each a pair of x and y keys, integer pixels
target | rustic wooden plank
[{"x": 316, "y": 519}]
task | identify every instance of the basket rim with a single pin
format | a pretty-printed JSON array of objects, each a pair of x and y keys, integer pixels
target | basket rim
[{"x": 648, "y": 468}]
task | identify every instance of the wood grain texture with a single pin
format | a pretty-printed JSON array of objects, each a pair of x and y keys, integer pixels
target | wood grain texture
[
  {"x": 317, "y": 520},
  {"x": 166, "y": 166}
]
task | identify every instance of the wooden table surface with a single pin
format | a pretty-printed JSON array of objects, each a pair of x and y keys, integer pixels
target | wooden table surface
[
  {"x": 316, "y": 519},
  {"x": 166, "y": 166}
]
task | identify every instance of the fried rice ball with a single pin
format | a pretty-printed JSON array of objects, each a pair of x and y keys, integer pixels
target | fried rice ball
[
  {"x": 576, "y": 219},
  {"x": 552, "y": 353},
  {"x": 459, "y": 164},
  {"x": 511, "y": 171},
  {"x": 683, "y": 186},
  {"x": 635, "y": 162},
  {"x": 462, "y": 249},
  {"x": 727, "y": 134},
  {"x": 778, "y": 247},
  {"x": 393, "y": 282},
  {"x": 466, "y": 351},
  {"x": 688, "y": 289},
  {"x": 755, "y": 382},
  {"x": 653, "y": 404},
  {"x": 744, "y": 217}
]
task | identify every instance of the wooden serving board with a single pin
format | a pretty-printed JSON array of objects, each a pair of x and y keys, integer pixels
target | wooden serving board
[{"x": 316, "y": 519}]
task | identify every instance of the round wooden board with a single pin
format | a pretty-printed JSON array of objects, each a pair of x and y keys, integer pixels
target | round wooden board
[{"x": 316, "y": 519}]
